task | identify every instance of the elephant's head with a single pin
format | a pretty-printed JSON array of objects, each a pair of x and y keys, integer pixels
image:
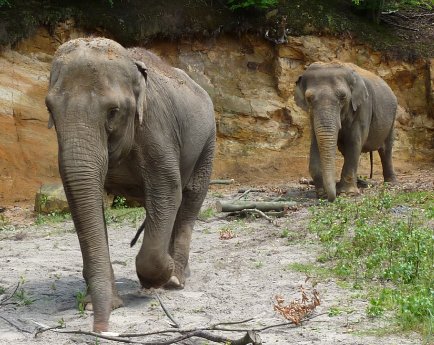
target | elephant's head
[
  {"x": 96, "y": 99},
  {"x": 330, "y": 93}
]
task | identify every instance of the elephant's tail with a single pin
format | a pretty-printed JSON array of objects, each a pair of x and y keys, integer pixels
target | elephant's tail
[
  {"x": 138, "y": 233},
  {"x": 371, "y": 159}
]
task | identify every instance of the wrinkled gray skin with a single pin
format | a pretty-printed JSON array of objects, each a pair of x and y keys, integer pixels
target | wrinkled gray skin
[
  {"x": 353, "y": 109},
  {"x": 129, "y": 124}
]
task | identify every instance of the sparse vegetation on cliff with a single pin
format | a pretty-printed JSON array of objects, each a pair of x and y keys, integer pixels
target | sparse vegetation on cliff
[{"x": 135, "y": 22}]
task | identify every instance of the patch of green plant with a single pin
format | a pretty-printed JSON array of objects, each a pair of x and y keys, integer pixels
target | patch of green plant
[
  {"x": 119, "y": 215},
  {"x": 119, "y": 202},
  {"x": 309, "y": 269},
  {"x": 380, "y": 240},
  {"x": 206, "y": 214},
  {"x": 52, "y": 217},
  {"x": 61, "y": 323},
  {"x": 260, "y": 4},
  {"x": 259, "y": 264},
  {"x": 2, "y": 290},
  {"x": 21, "y": 295},
  {"x": 80, "y": 298},
  {"x": 334, "y": 311},
  {"x": 284, "y": 233}
]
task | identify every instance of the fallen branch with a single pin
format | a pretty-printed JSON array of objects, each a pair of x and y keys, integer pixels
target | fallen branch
[
  {"x": 168, "y": 314},
  {"x": 233, "y": 206},
  {"x": 13, "y": 324},
  {"x": 2, "y": 302},
  {"x": 244, "y": 194},
  {"x": 255, "y": 190},
  {"x": 231, "y": 181},
  {"x": 251, "y": 336},
  {"x": 260, "y": 213}
]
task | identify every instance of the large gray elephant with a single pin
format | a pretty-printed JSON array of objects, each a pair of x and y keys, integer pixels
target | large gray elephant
[
  {"x": 131, "y": 125},
  {"x": 353, "y": 109}
]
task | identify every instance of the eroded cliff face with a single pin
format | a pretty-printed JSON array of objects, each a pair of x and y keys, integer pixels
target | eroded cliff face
[{"x": 262, "y": 135}]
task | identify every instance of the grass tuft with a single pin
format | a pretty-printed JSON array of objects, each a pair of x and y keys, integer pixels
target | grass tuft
[{"x": 384, "y": 241}]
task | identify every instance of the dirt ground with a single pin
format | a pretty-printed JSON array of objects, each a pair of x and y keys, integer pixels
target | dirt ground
[{"x": 231, "y": 280}]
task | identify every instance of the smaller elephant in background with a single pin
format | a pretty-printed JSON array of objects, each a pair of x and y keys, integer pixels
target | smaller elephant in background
[{"x": 352, "y": 109}]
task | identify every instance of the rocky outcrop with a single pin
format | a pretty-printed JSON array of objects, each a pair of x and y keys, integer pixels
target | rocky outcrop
[{"x": 262, "y": 135}]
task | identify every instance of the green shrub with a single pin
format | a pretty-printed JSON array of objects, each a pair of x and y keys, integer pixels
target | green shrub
[
  {"x": 261, "y": 4},
  {"x": 384, "y": 239}
]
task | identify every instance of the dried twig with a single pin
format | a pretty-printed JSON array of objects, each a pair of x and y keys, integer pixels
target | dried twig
[
  {"x": 247, "y": 191},
  {"x": 260, "y": 213},
  {"x": 2, "y": 302},
  {"x": 15, "y": 325},
  {"x": 169, "y": 315}
]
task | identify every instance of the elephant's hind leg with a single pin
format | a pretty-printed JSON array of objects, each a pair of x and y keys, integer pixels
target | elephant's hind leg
[
  {"x": 192, "y": 198},
  {"x": 385, "y": 153}
]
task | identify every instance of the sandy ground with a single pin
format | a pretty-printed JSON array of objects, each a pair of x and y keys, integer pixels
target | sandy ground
[{"x": 231, "y": 280}]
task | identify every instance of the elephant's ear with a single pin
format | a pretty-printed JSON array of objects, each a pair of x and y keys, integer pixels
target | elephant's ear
[
  {"x": 299, "y": 95},
  {"x": 359, "y": 92},
  {"x": 141, "y": 93}
]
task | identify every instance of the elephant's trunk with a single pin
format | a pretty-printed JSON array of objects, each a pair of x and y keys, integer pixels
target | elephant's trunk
[
  {"x": 326, "y": 127},
  {"x": 83, "y": 167}
]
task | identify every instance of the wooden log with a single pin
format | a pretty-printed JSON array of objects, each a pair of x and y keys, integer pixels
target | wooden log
[
  {"x": 233, "y": 206},
  {"x": 222, "y": 181}
]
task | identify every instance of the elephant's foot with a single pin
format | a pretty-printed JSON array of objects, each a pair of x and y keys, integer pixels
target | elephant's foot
[
  {"x": 177, "y": 280},
  {"x": 117, "y": 302},
  {"x": 347, "y": 189},
  {"x": 174, "y": 284},
  {"x": 155, "y": 272},
  {"x": 321, "y": 193},
  {"x": 390, "y": 179}
]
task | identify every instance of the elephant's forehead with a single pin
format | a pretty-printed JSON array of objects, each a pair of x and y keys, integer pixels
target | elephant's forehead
[
  {"x": 87, "y": 64},
  {"x": 330, "y": 75}
]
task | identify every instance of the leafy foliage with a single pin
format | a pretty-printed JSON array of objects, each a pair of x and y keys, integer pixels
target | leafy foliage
[
  {"x": 385, "y": 239},
  {"x": 261, "y": 4}
]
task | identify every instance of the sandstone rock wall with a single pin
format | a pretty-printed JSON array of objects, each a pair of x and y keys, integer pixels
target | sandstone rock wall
[{"x": 262, "y": 135}]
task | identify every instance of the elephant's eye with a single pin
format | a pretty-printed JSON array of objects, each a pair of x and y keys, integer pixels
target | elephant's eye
[
  {"x": 110, "y": 118},
  {"x": 341, "y": 95},
  {"x": 112, "y": 112}
]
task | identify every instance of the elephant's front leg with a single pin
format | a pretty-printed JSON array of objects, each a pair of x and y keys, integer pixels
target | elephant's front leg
[
  {"x": 154, "y": 265},
  {"x": 193, "y": 196},
  {"x": 116, "y": 299},
  {"x": 351, "y": 150},
  {"x": 315, "y": 167}
]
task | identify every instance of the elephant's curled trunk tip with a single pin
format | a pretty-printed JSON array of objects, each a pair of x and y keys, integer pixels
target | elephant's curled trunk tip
[{"x": 138, "y": 233}]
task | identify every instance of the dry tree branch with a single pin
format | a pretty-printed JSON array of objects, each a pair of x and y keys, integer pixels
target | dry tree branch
[
  {"x": 13, "y": 324},
  {"x": 251, "y": 336},
  {"x": 296, "y": 312},
  {"x": 168, "y": 314},
  {"x": 247, "y": 191},
  {"x": 7, "y": 298},
  {"x": 260, "y": 213}
]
